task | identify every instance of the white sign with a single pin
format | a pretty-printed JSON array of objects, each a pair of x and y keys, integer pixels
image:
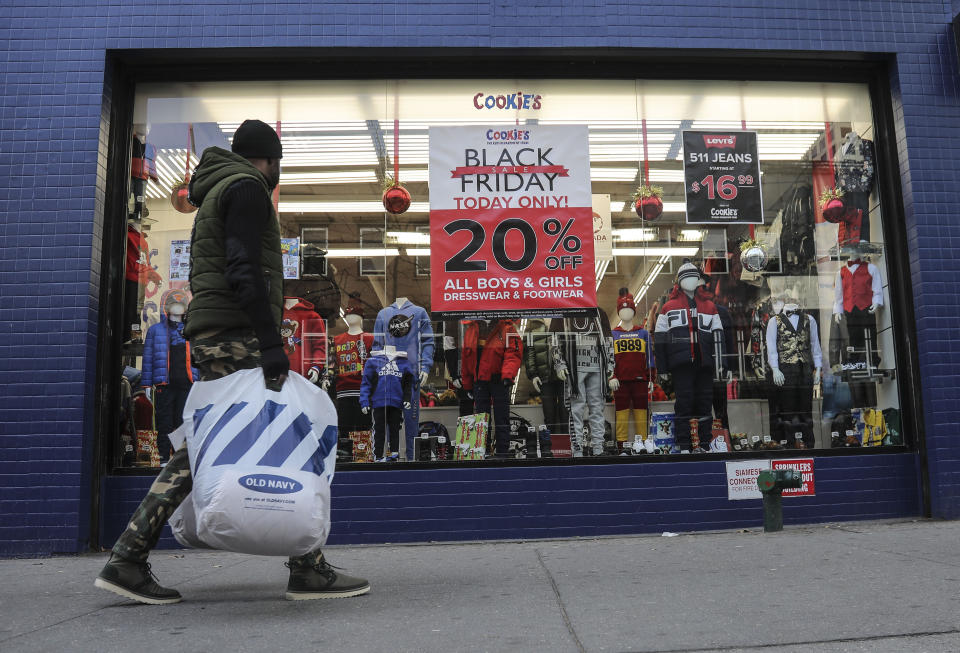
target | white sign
[
  {"x": 742, "y": 478},
  {"x": 511, "y": 221},
  {"x": 179, "y": 260},
  {"x": 602, "y": 228},
  {"x": 290, "y": 250}
]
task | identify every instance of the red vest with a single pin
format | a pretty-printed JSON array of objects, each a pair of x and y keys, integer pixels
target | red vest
[{"x": 857, "y": 287}]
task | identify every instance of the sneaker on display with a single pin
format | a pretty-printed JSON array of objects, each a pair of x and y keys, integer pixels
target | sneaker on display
[
  {"x": 322, "y": 581},
  {"x": 134, "y": 580}
]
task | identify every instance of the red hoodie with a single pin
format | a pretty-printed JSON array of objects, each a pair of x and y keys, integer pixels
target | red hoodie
[
  {"x": 304, "y": 335},
  {"x": 500, "y": 353}
]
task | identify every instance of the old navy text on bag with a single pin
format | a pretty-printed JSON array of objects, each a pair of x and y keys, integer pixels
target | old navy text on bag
[{"x": 262, "y": 464}]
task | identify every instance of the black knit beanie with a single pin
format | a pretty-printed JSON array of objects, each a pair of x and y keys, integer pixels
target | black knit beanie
[{"x": 255, "y": 139}]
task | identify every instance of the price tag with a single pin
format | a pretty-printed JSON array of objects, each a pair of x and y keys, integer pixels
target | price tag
[{"x": 722, "y": 177}]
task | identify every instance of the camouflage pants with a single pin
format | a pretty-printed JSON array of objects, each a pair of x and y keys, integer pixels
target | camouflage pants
[{"x": 215, "y": 355}]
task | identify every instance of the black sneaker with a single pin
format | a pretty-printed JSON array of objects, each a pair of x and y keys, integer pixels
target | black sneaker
[
  {"x": 134, "y": 580},
  {"x": 320, "y": 581}
]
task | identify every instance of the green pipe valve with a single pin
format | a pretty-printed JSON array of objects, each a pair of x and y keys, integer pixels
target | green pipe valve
[{"x": 771, "y": 483}]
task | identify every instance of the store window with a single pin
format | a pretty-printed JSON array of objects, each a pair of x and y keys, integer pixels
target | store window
[{"x": 568, "y": 268}]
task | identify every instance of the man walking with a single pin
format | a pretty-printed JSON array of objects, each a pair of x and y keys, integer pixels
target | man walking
[{"x": 236, "y": 277}]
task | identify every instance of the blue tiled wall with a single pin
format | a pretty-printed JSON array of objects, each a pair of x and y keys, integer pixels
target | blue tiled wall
[
  {"x": 51, "y": 179},
  {"x": 583, "y": 500}
]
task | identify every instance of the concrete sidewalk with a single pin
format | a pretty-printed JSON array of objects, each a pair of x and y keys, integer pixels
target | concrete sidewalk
[{"x": 841, "y": 587}]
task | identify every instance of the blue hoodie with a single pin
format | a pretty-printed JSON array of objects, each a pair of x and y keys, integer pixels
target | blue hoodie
[
  {"x": 409, "y": 330},
  {"x": 386, "y": 382}
]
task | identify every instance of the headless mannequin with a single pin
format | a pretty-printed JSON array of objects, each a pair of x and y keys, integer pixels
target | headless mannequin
[
  {"x": 794, "y": 389},
  {"x": 401, "y": 302},
  {"x": 859, "y": 324},
  {"x": 391, "y": 353},
  {"x": 387, "y": 421},
  {"x": 354, "y": 328},
  {"x": 778, "y": 377}
]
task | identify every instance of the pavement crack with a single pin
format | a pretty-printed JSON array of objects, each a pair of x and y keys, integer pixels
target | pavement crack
[
  {"x": 62, "y": 621},
  {"x": 807, "y": 642},
  {"x": 563, "y": 608}
]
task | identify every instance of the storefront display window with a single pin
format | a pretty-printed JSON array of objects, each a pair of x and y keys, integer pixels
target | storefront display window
[{"x": 540, "y": 268}]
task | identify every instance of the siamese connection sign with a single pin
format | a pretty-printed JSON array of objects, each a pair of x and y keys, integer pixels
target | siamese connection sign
[{"x": 511, "y": 221}]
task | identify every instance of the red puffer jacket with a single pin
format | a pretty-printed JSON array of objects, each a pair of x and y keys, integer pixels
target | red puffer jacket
[{"x": 501, "y": 353}]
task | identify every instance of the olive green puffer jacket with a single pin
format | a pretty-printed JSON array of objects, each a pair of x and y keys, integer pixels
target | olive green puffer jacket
[
  {"x": 214, "y": 304},
  {"x": 540, "y": 352}
]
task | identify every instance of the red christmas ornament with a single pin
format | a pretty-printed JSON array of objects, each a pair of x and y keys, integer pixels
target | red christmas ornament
[
  {"x": 396, "y": 199},
  {"x": 834, "y": 210},
  {"x": 648, "y": 208},
  {"x": 179, "y": 197}
]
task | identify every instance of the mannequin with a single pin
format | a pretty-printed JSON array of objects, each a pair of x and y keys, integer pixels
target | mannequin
[
  {"x": 138, "y": 272},
  {"x": 386, "y": 388},
  {"x": 304, "y": 335},
  {"x": 795, "y": 358},
  {"x": 492, "y": 352},
  {"x": 167, "y": 370},
  {"x": 588, "y": 346},
  {"x": 858, "y": 296},
  {"x": 854, "y": 174},
  {"x": 630, "y": 383},
  {"x": 728, "y": 359},
  {"x": 350, "y": 352},
  {"x": 687, "y": 329},
  {"x": 407, "y": 327},
  {"x": 452, "y": 336},
  {"x": 544, "y": 364}
]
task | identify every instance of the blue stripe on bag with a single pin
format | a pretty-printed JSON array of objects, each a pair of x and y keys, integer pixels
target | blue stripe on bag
[
  {"x": 222, "y": 422},
  {"x": 249, "y": 434},
  {"x": 327, "y": 443},
  {"x": 287, "y": 442},
  {"x": 198, "y": 416}
]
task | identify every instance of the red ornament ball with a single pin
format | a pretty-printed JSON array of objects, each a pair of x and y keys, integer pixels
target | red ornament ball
[
  {"x": 396, "y": 200},
  {"x": 648, "y": 208},
  {"x": 180, "y": 198},
  {"x": 834, "y": 210}
]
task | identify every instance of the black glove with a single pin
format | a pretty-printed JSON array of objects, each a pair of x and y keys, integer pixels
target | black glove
[
  {"x": 274, "y": 362},
  {"x": 508, "y": 382}
]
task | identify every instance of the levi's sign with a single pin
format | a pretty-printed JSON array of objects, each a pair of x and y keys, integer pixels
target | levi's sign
[
  {"x": 722, "y": 178},
  {"x": 511, "y": 221}
]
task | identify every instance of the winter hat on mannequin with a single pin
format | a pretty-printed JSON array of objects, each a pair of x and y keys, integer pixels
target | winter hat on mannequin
[
  {"x": 354, "y": 309},
  {"x": 625, "y": 300},
  {"x": 255, "y": 139},
  {"x": 688, "y": 270}
]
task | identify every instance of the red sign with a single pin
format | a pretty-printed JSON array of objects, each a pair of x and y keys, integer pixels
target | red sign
[
  {"x": 727, "y": 140},
  {"x": 805, "y": 467},
  {"x": 511, "y": 222}
]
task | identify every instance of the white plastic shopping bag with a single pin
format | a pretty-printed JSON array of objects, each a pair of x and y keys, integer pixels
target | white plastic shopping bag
[{"x": 262, "y": 464}]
